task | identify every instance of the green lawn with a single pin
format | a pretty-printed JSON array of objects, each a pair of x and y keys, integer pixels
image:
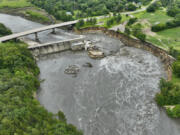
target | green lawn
[
  {"x": 167, "y": 38},
  {"x": 14, "y": 3},
  {"x": 158, "y": 16}
]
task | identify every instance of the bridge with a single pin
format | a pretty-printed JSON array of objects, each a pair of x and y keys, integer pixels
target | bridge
[{"x": 35, "y": 31}]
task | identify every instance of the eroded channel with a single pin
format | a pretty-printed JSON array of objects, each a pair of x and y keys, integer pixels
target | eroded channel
[{"x": 114, "y": 97}]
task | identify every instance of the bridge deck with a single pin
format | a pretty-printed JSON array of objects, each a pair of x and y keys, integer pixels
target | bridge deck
[{"x": 16, "y": 35}]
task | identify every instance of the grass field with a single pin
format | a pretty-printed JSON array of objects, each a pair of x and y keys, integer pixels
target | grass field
[
  {"x": 167, "y": 38},
  {"x": 158, "y": 16},
  {"x": 14, "y": 3}
]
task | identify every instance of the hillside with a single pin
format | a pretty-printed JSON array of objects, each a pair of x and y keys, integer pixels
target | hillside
[{"x": 27, "y": 10}]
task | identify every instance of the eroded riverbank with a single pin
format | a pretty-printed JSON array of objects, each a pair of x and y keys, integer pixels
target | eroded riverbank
[{"x": 114, "y": 97}]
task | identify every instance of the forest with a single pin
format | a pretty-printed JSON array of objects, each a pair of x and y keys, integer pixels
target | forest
[
  {"x": 20, "y": 111},
  {"x": 66, "y": 10}
]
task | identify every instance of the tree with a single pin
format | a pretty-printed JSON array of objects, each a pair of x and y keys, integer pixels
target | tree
[
  {"x": 158, "y": 27},
  {"x": 173, "y": 52},
  {"x": 141, "y": 36},
  {"x": 132, "y": 21},
  {"x": 20, "y": 112},
  {"x": 151, "y": 8},
  {"x": 118, "y": 18},
  {"x": 80, "y": 24},
  {"x": 127, "y": 31},
  {"x": 61, "y": 116},
  {"x": 176, "y": 68},
  {"x": 154, "y": 6},
  {"x": 4, "y": 31},
  {"x": 110, "y": 22},
  {"x": 131, "y": 7}
]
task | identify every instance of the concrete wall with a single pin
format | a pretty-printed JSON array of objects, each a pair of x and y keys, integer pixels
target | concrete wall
[
  {"x": 54, "y": 47},
  {"x": 50, "y": 49},
  {"x": 162, "y": 54}
]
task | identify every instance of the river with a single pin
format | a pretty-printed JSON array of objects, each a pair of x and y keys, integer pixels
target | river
[{"x": 114, "y": 97}]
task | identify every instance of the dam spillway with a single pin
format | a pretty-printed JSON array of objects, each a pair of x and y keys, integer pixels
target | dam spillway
[{"x": 114, "y": 97}]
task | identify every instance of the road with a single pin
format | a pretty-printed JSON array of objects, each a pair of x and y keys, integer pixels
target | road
[{"x": 130, "y": 12}]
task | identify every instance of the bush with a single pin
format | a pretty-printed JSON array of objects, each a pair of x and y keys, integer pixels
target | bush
[
  {"x": 61, "y": 15},
  {"x": 80, "y": 24},
  {"x": 175, "y": 112},
  {"x": 176, "y": 68},
  {"x": 141, "y": 36},
  {"x": 158, "y": 27},
  {"x": 110, "y": 22},
  {"x": 127, "y": 31},
  {"x": 169, "y": 95},
  {"x": 118, "y": 18},
  {"x": 137, "y": 32},
  {"x": 131, "y": 7},
  {"x": 160, "y": 99},
  {"x": 91, "y": 21},
  {"x": 173, "y": 11},
  {"x": 173, "y": 52},
  {"x": 114, "y": 20},
  {"x": 4, "y": 31},
  {"x": 169, "y": 24},
  {"x": 132, "y": 21},
  {"x": 61, "y": 116},
  {"x": 154, "y": 6},
  {"x": 151, "y": 8},
  {"x": 174, "y": 23}
]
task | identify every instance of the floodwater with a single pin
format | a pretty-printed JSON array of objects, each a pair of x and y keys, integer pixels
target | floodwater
[{"x": 114, "y": 97}]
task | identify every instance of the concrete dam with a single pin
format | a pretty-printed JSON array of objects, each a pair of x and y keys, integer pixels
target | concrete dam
[{"x": 115, "y": 96}]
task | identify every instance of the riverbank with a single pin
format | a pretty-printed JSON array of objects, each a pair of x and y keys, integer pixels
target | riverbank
[
  {"x": 166, "y": 59},
  {"x": 31, "y": 13},
  {"x": 20, "y": 112},
  {"x": 115, "y": 96}
]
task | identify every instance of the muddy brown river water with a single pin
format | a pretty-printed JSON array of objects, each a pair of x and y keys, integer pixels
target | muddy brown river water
[{"x": 114, "y": 97}]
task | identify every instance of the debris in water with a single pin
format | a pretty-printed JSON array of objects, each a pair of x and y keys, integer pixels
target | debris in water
[
  {"x": 88, "y": 64},
  {"x": 72, "y": 69},
  {"x": 96, "y": 54}
]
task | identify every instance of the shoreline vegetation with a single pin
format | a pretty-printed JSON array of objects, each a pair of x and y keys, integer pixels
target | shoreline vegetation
[
  {"x": 21, "y": 113},
  {"x": 26, "y": 10},
  {"x": 169, "y": 95}
]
